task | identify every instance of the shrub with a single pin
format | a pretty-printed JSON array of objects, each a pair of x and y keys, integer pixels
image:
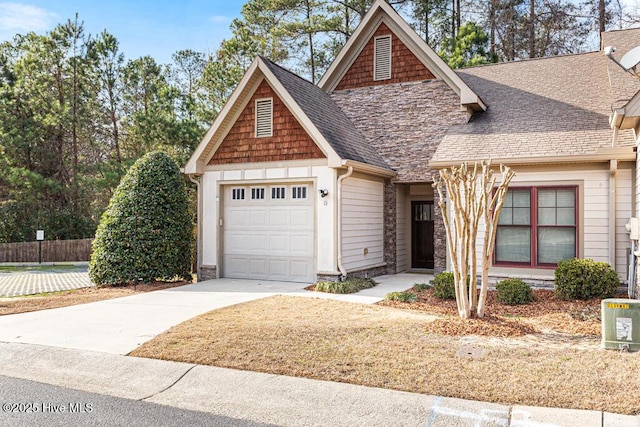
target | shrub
[
  {"x": 421, "y": 286},
  {"x": 514, "y": 292},
  {"x": 401, "y": 296},
  {"x": 585, "y": 279},
  {"x": 147, "y": 229},
  {"x": 444, "y": 286},
  {"x": 348, "y": 286}
]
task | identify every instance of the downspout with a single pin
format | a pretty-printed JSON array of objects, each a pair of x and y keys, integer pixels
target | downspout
[
  {"x": 613, "y": 170},
  {"x": 343, "y": 271},
  {"x": 195, "y": 179}
]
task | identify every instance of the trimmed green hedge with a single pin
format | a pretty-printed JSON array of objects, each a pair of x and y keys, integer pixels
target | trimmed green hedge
[
  {"x": 444, "y": 286},
  {"x": 147, "y": 230},
  {"x": 347, "y": 286},
  {"x": 585, "y": 279},
  {"x": 514, "y": 292}
]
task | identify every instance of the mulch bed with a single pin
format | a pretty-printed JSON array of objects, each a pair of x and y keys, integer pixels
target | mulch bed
[{"x": 545, "y": 313}]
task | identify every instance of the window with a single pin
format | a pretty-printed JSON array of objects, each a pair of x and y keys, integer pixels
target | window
[
  {"x": 264, "y": 118},
  {"x": 382, "y": 58},
  {"x": 278, "y": 193},
  {"x": 257, "y": 194},
  {"x": 299, "y": 192},
  {"x": 237, "y": 194},
  {"x": 537, "y": 226}
]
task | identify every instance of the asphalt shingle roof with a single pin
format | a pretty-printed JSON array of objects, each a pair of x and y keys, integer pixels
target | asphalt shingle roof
[
  {"x": 330, "y": 120},
  {"x": 555, "y": 106}
]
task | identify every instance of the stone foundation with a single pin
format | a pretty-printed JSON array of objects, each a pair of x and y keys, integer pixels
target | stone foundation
[
  {"x": 207, "y": 272},
  {"x": 366, "y": 273}
]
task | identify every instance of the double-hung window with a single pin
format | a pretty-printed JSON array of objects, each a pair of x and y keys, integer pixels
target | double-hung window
[{"x": 537, "y": 226}]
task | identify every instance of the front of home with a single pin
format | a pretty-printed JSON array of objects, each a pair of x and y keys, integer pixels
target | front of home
[{"x": 301, "y": 182}]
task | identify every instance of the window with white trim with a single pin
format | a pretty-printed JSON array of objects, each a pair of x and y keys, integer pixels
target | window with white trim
[
  {"x": 382, "y": 58},
  {"x": 537, "y": 226},
  {"x": 278, "y": 193},
  {"x": 237, "y": 194},
  {"x": 257, "y": 193},
  {"x": 264, "y": 117},
  {"x": 299, "y": 192}
]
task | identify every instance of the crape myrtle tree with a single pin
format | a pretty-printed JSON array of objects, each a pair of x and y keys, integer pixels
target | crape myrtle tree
[
  {"x": 146, "y": 231},
  {"x": 475, "y": 200}
]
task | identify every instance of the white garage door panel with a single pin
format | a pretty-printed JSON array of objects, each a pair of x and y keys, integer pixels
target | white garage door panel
[{"x": 268, "y": 239}]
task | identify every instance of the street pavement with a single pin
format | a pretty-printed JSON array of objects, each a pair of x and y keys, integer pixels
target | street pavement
[
  {"x": 46, "y": 405},
  {"x": 29, "y": 282},
  {"x": 84, "y": 348}
]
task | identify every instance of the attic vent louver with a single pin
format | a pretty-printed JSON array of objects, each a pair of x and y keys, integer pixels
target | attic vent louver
[
  {"x": 264, "y": 118},
  {"x": 382, "y": 58}
]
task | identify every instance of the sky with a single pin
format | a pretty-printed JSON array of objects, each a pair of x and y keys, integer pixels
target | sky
[{"x": 143, "y": 27}]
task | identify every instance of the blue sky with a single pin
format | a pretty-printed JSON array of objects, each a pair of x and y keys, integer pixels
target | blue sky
[{"x": 143, "y": 27}]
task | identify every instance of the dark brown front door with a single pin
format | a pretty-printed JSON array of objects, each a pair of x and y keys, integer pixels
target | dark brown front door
[{"x": 421, "y": 234}]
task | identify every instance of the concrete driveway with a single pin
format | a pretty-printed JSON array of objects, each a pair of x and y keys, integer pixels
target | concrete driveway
[{"x": 120, "y": 325}]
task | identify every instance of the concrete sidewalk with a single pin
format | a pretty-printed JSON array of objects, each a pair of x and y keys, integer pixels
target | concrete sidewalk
[{"x": 273, "y": 399}]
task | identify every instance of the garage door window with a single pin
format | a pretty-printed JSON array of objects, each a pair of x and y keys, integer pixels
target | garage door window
[
  {"x": 237, "y": 194},
  {"x": 257, "y": 194},
  {"x": 278, "y": 193},
  {"x": 299, "y": 192}
]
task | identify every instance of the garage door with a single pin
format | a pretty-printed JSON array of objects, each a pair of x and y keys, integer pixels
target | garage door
[{"x": 268, "y": 232}]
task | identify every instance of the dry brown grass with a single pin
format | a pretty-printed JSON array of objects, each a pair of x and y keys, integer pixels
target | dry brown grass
[
  {"x": 15, "y": 305},
  {"x": 386, "y": 347}
]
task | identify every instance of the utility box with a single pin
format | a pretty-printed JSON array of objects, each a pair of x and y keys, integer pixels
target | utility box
[{"x": 621, "y": 324}]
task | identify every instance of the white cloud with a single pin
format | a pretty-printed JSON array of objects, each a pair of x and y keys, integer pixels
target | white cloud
[
  {"x": 19, "y": 17},
  {"x": 219, "y": 19}
]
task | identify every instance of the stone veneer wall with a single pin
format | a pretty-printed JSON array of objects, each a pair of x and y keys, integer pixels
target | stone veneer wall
[
  {"x": 390, "y": 226},
  {"x": 405, "y": 123},
  {"x": 439, "y": 237}
]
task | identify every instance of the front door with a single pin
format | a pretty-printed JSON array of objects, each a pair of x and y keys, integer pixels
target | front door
[{"x": 421, "y": 234}]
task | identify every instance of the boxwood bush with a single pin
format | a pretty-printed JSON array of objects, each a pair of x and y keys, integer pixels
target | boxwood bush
[
  {"x": 147, "y": 230},
  {"x": 585, "y": 279},
  {"x": 401, "y": 296},
  {"x": 347, "y": 286},
  {"x": 514, "y": 292},
  {"x": 444, "y": 286}
]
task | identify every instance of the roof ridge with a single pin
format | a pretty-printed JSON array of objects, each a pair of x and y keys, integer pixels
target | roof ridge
[
  {"x": 275, "y": 64},
  {"x": 524, "y": 60}
]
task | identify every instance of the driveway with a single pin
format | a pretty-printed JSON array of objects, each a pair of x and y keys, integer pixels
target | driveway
[
  {"x": 120, "y": 325},
  {"x": 29, "y": 282}
]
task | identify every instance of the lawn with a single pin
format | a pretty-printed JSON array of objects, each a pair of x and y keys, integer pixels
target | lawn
[{"x": 515, "y": 357}]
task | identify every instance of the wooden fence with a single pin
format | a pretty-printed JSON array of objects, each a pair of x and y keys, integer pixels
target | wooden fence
[{"x": 52, "y": 251}]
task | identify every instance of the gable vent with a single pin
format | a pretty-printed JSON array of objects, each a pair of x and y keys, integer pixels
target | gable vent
[
  {"x": 382, "y": 58},
  {"x": 264, "y": 118}
]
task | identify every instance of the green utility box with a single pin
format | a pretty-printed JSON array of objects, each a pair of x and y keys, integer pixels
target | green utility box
[{"x": 621, "y": 324}]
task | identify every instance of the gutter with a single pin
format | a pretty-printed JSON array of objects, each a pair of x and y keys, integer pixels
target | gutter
[
  {"x": 622, "y": 154},
  {"x": 343, "y": 271},
  {"x": 195, "y": 178},
  {"x": 366, "y": 168}
]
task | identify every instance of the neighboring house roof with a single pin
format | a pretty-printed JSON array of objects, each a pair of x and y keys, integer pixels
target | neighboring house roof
[
  {"x": 330, "y": 120},
  {"x": 624, "y": 87},
  {"x": 382, "y": 12},
  {"x": 541, "y": 110},
  {"x": 321, "y": 118}
]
